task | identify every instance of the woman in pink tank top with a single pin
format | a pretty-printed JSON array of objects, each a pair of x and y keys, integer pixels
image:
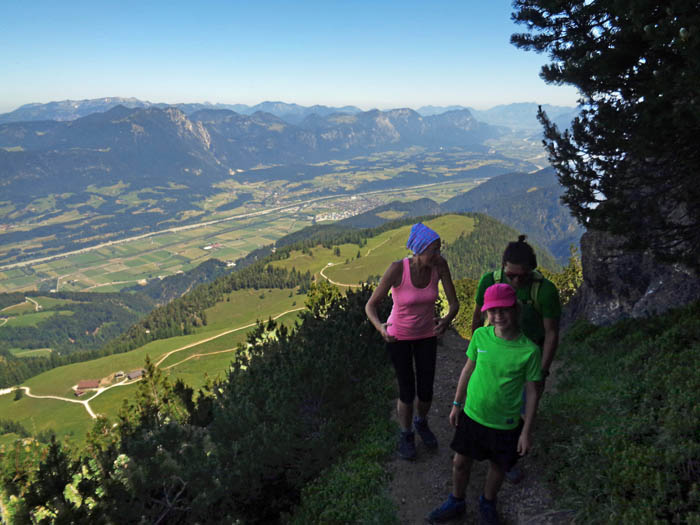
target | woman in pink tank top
[{"x": 412, "y": 329}]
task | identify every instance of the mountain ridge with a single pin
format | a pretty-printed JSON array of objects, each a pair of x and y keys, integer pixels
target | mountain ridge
[{"x": 518, "y": 115}]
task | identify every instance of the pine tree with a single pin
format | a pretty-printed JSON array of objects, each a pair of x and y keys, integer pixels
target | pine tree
[{"x": 630, "y": 160}]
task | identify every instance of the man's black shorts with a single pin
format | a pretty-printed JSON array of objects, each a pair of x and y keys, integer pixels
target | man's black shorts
[{"x": 478, "y": 442}]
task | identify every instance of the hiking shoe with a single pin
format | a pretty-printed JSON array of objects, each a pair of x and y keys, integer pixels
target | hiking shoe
[
  {"x": 487, "y": 512},
  {"x": 452, "y": 508},
  {"x": 421, "y": 426},
  {"x": 515, "y": 475},
  {"x": 407, "y": 445}
]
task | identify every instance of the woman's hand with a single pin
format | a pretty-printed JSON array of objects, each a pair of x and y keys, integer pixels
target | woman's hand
[
  {"x": 385, "y": 335},
  {"x": 524, "y": 443},
  {"x": 441, "y": 325}
]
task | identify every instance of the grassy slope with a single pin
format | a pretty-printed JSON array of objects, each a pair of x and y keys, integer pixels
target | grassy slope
[
  {"x": 620, "y": 439},
  {"x": 376, "y": 255},
  {"x": 37, "y": 415}
]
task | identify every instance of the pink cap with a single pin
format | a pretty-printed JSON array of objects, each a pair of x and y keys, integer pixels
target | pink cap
[{"x": 499, "y": 295}]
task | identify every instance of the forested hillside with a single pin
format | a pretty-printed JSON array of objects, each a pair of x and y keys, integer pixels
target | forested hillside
[
  {"x": 529, "y": 203},
  {"x": 481, "y": 250},
  {"x": 67, "y": 323}
]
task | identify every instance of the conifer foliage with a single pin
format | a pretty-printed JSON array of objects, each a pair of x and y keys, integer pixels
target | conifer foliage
[
  {"x": 240, "y": 452},
  {"x": 630, "y": 161}
]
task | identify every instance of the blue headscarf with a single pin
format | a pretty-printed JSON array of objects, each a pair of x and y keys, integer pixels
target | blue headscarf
[{"x": 420, "y": 238}]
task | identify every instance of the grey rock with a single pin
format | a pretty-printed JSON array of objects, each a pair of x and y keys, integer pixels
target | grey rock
[{"x": 619, "y": 284}]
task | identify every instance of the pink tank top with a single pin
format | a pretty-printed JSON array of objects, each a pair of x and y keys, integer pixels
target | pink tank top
[{"x": 414, "y": 308}]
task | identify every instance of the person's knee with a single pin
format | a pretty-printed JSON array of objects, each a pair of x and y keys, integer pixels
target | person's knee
[
  {"x": 496, "y": 469},
  {"x": 460, "y": 463}
]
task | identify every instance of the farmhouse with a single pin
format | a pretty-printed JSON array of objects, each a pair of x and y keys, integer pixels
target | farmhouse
[{"x": 87, "y": 384}]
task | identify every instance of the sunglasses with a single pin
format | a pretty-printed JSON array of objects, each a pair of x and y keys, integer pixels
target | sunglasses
[{"x": 513, "y": 275}]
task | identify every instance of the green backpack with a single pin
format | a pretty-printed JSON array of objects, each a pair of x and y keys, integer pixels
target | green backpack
[{"x": 537, "y": 278}]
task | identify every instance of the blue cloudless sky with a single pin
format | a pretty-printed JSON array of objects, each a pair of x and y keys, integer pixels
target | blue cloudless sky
[{"x": 372, "y": 54}]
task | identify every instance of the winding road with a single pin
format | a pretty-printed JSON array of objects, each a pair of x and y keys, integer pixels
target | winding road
[{"x": 331, "y": 280}]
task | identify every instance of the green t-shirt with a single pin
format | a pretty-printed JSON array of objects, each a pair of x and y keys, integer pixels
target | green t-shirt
[
  {"x": 531, "y": 322},
  {"x": 495, "y": 388}
]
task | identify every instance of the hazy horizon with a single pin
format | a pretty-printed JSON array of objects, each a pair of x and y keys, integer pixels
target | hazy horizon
[{"x": 208, "y": 102}]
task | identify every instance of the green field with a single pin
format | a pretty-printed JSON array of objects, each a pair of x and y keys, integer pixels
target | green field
[
  {"x": 49, "y": 302},
  {"x": 37, "y": 352},
  {"x": 37, "y": 415},
  {"x": 7, "y": 439},
  {"x": 32, "y": 319},
  {"x": 19, "y": 309}
]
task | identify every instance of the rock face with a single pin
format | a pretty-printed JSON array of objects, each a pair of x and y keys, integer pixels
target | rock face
[{"x": 618, "y": 284}]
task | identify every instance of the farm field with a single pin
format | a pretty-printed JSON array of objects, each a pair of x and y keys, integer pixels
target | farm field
[
  {"x": 278, "y": 208},
  {"x": 39, "y": 415},
  {"x": 33, "y": 318},
  {"x": 19, "y": 309},
  {"x": 37, "y": 352}
]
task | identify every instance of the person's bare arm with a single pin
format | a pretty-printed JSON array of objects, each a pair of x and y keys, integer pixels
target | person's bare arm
[
  {"x": 551, "y": 341},
  {"x": 451, "y": 294},
  {"x": 391, "y": 277},
  {"x": 461, "y": 392},
  {"x": 532, "y": 398}
]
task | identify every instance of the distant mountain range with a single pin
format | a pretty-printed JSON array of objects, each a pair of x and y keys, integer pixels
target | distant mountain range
[
  {"x": 147, "y": 147},
  {"x": 74, "y": 109},
  {"x": 515, "y": 116}
]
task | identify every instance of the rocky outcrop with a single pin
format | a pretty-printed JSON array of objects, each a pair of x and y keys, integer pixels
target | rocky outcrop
[{"x": 619, "y": 284}]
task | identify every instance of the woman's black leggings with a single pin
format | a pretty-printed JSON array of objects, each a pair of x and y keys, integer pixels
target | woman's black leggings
[{"x": 403, "y": 354}]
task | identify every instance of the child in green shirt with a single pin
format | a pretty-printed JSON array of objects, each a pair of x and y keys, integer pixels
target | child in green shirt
[{"x": 500, "y": 362}]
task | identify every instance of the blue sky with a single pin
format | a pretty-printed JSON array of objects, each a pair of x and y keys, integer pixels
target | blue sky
[{"x": 371, "y": 54}]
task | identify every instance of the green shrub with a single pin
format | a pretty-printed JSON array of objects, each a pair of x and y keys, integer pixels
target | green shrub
[
  {"x": 621, "y": 434},
  {"x": 355, "y": 489}
]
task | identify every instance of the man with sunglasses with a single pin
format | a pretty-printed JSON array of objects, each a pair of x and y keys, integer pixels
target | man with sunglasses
[{"x": 540, "y": 301}]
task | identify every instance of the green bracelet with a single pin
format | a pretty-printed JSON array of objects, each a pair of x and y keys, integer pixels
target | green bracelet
[{"x": 457, "y": 404}]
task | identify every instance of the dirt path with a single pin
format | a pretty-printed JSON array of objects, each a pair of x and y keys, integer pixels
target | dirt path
[
  {"x": 85, "y": 403},
  {"x": 331, "y": 280},
  {"x": 417, "y": 487}
]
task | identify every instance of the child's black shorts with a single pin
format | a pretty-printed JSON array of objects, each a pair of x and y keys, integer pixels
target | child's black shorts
[{"x": 478, "y": 442}]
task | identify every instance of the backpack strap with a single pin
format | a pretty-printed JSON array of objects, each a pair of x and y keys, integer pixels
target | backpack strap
[{"x": 537, "y": 278}]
